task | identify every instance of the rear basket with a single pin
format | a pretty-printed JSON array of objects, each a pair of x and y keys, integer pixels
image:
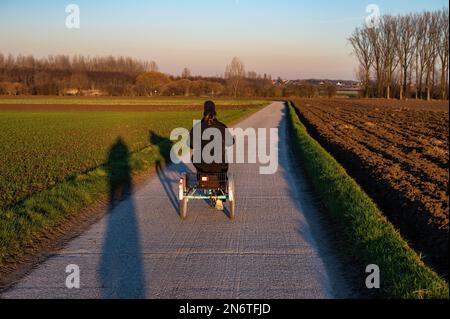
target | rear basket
[{"x": 207, "y": 181}]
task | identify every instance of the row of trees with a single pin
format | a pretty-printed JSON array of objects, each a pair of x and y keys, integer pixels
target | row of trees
[
  {"x": 62, "y": 75},
  {"x": 56, "y": 75},
  {"x": 404, "y": 56}
]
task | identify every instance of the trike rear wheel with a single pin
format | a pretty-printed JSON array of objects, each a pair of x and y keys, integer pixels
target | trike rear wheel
[{"x": 183, "y": 208}]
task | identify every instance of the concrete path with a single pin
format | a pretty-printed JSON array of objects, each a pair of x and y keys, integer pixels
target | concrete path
[{"x": 276, "y": 247}]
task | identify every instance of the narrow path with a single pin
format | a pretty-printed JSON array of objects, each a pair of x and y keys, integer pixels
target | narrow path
[{"x": 276, "y": 247}]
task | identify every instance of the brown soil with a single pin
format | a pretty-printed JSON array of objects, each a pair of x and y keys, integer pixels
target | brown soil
[{"x": 398, "y": 151}]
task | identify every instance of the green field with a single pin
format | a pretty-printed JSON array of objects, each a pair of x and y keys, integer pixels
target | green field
[
  {"x": 347, "y": 93},
  {"x": 126, "y": 101},
  {"x": 40, "y": 150}
]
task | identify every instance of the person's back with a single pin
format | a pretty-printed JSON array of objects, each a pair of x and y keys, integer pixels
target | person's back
[{"x": 217, "y": 163}]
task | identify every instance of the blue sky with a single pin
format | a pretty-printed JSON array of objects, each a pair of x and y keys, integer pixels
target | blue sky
[{"x": 288, "y": 38}]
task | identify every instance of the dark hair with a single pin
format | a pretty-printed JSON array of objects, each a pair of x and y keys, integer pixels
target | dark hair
[{"x": 209, "y": 113}]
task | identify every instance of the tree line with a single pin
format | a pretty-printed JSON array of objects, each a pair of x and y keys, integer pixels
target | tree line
[
  {"x": 404, "y": 56},
  {"x": 122, "y": 76}
]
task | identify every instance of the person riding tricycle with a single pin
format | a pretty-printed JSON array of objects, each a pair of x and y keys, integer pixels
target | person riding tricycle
[{"x": 212, "y": 180}]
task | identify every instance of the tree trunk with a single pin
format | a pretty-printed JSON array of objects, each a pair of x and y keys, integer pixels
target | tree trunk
[
  {"x": 401, "y": 85},
  {"x": 367, "y": 84},
  {"x": 405, "y": 80}
]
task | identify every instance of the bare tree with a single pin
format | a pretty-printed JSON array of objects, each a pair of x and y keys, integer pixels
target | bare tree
[
  {"x": 375, "y": 38},
  {"x": 186, "y": 74},
  {"x": 404, "y": 45},
  {"x": 388, "y": 28},
  {"x": 419, "y": 40},
  {"x": 330, "y": 90},
  {"x": 364, "y": 53},
  {"x": 235, "y": 75},
  {"x": 431, "y": 50},
  {"x": 252, "y": 75},
  {"x": 152, "y": 67},
  {"x": 443, "y": 52}
]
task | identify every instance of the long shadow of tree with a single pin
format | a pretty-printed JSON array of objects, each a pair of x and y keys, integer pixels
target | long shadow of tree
[{"x": 121, "y": 267}]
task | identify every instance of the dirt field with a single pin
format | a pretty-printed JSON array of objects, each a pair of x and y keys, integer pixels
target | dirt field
[{"x": 398, "y": 151}]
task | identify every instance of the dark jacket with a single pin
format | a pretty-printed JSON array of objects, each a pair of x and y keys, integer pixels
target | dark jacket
[{"x": 227, "y": 141}]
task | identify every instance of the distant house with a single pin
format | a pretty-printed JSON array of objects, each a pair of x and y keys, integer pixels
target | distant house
[
  {"x": 93, "y": 93},
  {"x": 71, "y": 92},
  {"x": 281, "y": 82},
  {"x": 76, "y": 92}
]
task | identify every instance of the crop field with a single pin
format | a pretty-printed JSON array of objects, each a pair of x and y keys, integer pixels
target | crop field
[
  {"x": 398, "y": 152},
  {"x": 41, "y": 149}
]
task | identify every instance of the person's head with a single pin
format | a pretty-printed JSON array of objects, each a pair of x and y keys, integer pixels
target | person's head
[{"x": 209, "y": 113}]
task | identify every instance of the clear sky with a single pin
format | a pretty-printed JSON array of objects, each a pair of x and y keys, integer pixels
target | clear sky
[{"x": 287, "y": 38}]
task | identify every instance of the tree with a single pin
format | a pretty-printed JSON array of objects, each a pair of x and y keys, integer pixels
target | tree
[
  {"x": 419, "y": 43},
  {"x": 443, "y": 52},
  {"x": 151, "y": 83},
  {"x": 364, "y": 53},
  {"x": 152, "y": 67},
  {"x": 404, "y": 46},
  {"x": 388, "y": 24},
  {"x": 378, "y": 62},
  {"x": 235, "y": 75},
  {"x": 185, "y": 86},
  {"x": 252, "y": 75},
  {"x": 8, "y": 88},
  {"x": 431, "y": 50},
  {"x": 214, "y": 88},
  {"x": 331, "y": 90},
  {"x": 79, "y": 81},
  {"x": 186, "y": 74}
]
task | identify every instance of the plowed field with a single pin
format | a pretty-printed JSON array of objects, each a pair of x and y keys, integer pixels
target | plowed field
[{"x": 398, "y": 151}]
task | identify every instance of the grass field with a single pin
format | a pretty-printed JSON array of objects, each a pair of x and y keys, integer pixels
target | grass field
[
  {"x": 56, "y": 163},
  {"x": 347, "y": 93}
]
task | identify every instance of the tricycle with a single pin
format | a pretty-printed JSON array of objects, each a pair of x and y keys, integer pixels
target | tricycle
[{"x": 212, "y": 187}]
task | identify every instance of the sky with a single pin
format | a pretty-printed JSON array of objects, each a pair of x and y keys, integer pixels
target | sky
[{"x": 292, "y": 39}]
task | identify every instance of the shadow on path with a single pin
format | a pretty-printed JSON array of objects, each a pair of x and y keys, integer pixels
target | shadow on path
[
  {"x": 121, "y": 267},
  {"x": 168, "y": 174}
]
